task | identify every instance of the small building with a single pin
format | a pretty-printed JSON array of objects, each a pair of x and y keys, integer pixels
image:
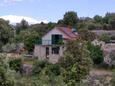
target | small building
[{"x": 52, "y": 44}]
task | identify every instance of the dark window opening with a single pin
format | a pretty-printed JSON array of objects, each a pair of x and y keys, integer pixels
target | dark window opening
[
  {"x": 55, "y": 50},
  {"x": 56, "y": 39},
  {"x": 47, "y": 52}
]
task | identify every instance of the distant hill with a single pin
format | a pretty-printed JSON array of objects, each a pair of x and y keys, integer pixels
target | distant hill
[{"x": 17, "y": 19}]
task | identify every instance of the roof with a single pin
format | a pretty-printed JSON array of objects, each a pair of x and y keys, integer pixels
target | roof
[{"x": 67, "y": 31}]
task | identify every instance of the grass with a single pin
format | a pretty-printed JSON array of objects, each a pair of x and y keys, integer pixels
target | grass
[{"x": 29, "y": 61}]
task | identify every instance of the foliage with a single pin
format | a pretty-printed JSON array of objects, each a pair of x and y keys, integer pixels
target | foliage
[
  {"x": 86, "y": 35},
  {"x": 38, "y": 66},
  {"x": 21, "y": 26},
  {"x": 51, "y": 68},
  {"x": 96, "y": 53},
  {"x": 15, "y": 64},
  {"x": 29, "y": 38},
  {"x": 48, "y": 80},
  {"x": 54, "y": 69},
  {"x": 48, "y": 74},
  {"x": 70, "y": 18},
  {"x": 6, "y": 32},
  {"x": 6, "y": 75},
  {"x": 9, "y": 47},
  {"x": 105, "y": 38},
  {"x": 98, "y": 19},
  {"x": 42, "y": 28},
  {"x": 76, "y": 62}
]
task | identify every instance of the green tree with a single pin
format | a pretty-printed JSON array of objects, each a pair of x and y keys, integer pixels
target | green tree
[
  {"x": 22, "y": 26},
  {"x": 76, "y": 62},
  {"x": 110, "y": 20},
  {"x": 29, "y": 38},
  {"x": 96, "y": 53},
  {"x": 98, "y": 19},
  {"x": 42, "y": 29},
  {"x": 6, "y": 32},
  {"x": 70, "y": 18}
]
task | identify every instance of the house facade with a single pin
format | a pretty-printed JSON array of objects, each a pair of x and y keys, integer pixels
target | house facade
[{"x": 53, "y": 44}]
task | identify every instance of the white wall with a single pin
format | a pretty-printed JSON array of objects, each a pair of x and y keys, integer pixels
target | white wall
[
  {"x": 40, "y": 52},
  {"x": 48, "y": 36}
]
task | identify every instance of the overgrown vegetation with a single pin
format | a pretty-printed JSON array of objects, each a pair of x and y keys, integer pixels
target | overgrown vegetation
[
  {"x": 96, "y": 53},
  {"x": 72, "y": 68},
  {"x": 76, "y": 62}
]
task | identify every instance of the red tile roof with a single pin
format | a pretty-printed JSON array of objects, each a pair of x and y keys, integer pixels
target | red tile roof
[{"x": 68, "y": 32}]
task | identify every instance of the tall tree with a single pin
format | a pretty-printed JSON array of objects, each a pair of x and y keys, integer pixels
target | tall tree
[
  {"x": 70, "y": 18},
  {"x": 6, "y": 32},
  {"x": 98, "y": 19},
  {"x": 76, "y": 62},
  {"x": 29, "y": 38},
  {"x": 22, "y": 26}
]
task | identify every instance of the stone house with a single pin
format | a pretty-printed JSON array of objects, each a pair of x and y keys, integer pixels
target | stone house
[{"x": 52, "y": 44}]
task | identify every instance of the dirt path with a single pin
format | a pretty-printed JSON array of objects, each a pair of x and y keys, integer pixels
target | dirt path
[{"x": 100, "y": 72}]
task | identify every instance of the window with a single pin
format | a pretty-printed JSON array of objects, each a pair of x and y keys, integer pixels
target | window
[
  {"x": 47, "y": 52},
  {"x": 56, "y": 38},
  {"x": 55, "y": 50}
]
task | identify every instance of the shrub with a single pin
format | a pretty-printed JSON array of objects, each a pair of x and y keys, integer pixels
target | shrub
[
  {"x": 53, "y": 69},
  {"x": 15, "y": 64},
  {"x": 105, "y": 38},
  {"x": 96, "y": 53},
  {"x": 38, "y": 66}
]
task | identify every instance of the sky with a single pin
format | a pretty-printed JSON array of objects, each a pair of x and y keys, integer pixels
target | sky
[{"x": 53, "y": 10}]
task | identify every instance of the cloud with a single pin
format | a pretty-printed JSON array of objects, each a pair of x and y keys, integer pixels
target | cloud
[
  {"x": 10, "y": 2},
  {"x": 17, "y": 19}
]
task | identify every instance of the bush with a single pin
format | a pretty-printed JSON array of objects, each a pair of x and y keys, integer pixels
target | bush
[
  {"x": 105, "y": 38},
  {"x": 96, "y": 53},
  {"x": 54, "y": 69},
  {"x": 15, "y": 64},
  {"x": 38, "y": 66}
]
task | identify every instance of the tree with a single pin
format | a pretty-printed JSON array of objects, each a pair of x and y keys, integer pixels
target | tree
[
  {"x": 76, "y": 62},
  {"x": 70, "y": 18},
  {"x": 42, "y": 29},
  {"x": 22, "y": 26},
  {"x": 96, "y": 53},
  {"x": 98, "y": 19},
  {"x": 6, "y": 32},
  {"x": 29, "y": 38},
  {"x": 86, "y": 35},
  {"x": 110, "y": 20}
]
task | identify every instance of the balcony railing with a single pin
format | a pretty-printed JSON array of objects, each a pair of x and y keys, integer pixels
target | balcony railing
[
  {"x": 46, "y": 42},
  {"x": 49, "y": 42}
]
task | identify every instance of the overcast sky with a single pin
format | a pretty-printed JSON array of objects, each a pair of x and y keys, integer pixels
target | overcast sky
[{"x": 53, "y": 10}]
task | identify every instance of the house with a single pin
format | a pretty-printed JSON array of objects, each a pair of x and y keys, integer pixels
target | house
[{"x": 53, "y": 43}]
